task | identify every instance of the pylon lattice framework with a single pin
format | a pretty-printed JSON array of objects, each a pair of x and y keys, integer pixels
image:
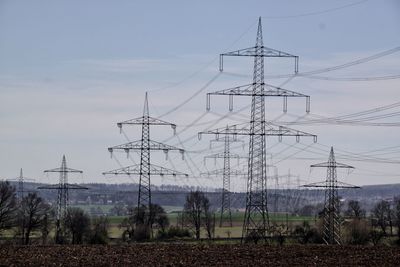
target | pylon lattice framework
[
  {"x": 21, "y": 180},
  {"x": 331, "y": 229},
  {"x": 145, "y": 169},
  {"x": 63, "y": 195},
  {"x": 226, "y": 172},
  {"x": 20, "y": 193},
  {"x": 256, "y": 218}
]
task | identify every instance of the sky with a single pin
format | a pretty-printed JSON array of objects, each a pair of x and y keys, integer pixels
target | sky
[{"x": 70, "y": 70}]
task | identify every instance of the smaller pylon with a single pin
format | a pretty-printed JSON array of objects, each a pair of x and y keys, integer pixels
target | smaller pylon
[
  {"x": 21, "y": 179},
  {"x": 331, "y": 230},
  {"x": 20, "y": 194},
  {"x": 63, "y": 196},
  {"x": 226, "y": 172},
  {"x": 145, "y": 145}
]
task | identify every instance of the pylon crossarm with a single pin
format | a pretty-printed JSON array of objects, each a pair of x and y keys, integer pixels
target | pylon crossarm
[
  {"x": 19, "y": 179},
  {"x": 154, "y": 170},
  {"x": 223, "y": 155},
  {"x": 137, "y": 145},
  {"x": 248, "y": 90},
  {"x": 66, "y": 186},
  {"x": 346, "y": 185},
  {"x": 277, "y": 130},
  {"x": 271, "y": 130},
  {"x": 63, "y": 170},
  {"x": 338, "y": 185},
  {"x": 237, "y": 129},
  {"x": 151, "y": 121},
  {"x": 221, "y": 172},
  {"x": 255, "y": 51},
  {"x": 328, "y": 164}
]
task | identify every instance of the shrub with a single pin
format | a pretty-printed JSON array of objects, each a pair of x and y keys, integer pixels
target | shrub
[
  {"x": 305, "y": 234},
  {"x": 173, "y": 232},
  {"x": 357, "y": 232},
  {"x": 99, "y": 231},
  {"x": 141, "y": 233},
  {"x": 376, "y": 236}
]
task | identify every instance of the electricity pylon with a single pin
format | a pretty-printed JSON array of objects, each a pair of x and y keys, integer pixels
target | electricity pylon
[
  {"x": 20, "y": 193},
  {"x": 63, "y": 188},
  {"x": 256, "y": 216},
  {"x": 21, "y": 180},
  {"x": 226, "y": 172},
  {"x": 331, "y": 230},
  {"x": 145, "y": 169}
]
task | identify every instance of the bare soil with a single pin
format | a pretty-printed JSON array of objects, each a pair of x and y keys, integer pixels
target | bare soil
[{"x": 197, "y": 255}]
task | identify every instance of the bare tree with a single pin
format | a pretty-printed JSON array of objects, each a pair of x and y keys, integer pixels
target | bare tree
[
  {"x": 142, "y": 220},
  {"x": 46, "y": 226},
  {"x": 397, "y": 216},
  {"x": 208, "y": 218},
  {"x": 193, "y": 209},
  {"x": 33, "y": 213},
  {"x": 158, "y": 217},
  {"x": 198, "y": 212},
  {"x": 7, "y": 205},
  {"x": 99, "y": 230},
  {"x": 354, "y": 210},
  {"x": 382, "y": 214},
  {"x": 77, "y": 223}
]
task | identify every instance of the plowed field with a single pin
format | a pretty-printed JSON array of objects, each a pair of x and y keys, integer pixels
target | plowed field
[{"x": 197, "y": 255}]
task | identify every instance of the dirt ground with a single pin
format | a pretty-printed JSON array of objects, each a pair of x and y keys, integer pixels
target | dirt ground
[{"x": 197, "y": 255}]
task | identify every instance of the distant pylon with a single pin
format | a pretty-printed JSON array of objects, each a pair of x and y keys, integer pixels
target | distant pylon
[
  {"x": 331, "y": 230},
  {"x": 145, "y": 169},
  {"x": 256, "y": 220},
  {"x": 225, "y": 212},
  {"x": 20, "y": 193},
  {"x": 21, "y": 180},
  {"x": 63, "y": 196}
]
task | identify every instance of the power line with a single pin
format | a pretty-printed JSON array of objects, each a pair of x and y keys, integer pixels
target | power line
[
  {"x": 353, "y": 79},
  {"x": 359, "y": 61},
  {"x": 191, "y": 97},
  {"x": 316, "y": 12}
]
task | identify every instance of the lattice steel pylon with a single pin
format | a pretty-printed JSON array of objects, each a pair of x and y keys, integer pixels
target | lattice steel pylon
[
  {"x": 256, "y": 219},
  {"x": 63, "y": 196},
  {"x": 20, "y": 193},
  {"x": 145, "y": 169},
  {"x": 226, "y": 172},
  {"x": 21, "y": 180},
  {"x": 331, "y": 230}
]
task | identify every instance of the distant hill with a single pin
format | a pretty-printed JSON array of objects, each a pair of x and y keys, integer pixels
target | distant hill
[{"x": 171, "y": 195}]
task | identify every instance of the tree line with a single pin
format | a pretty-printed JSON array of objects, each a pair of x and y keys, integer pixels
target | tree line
[{"x": 31, "y": 219}]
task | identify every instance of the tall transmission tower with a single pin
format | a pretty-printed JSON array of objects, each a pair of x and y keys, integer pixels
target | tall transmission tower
[
  {"x": 331, "y": 230},
  {"x": 145, "y": 169},
  {"x": 63, "y": 188},
  {"x": 256, "y": 218},
  {"x": 226, "y": 172}
]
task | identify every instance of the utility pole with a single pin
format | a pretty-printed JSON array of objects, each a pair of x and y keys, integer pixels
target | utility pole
[
  {"x": 145, "y": 169},
  {"x": 63, "y": 188},
  {"x": 226, "y": 213},
  {"x": 331, "y": 231},
  {"x": 256, "y": 219}
]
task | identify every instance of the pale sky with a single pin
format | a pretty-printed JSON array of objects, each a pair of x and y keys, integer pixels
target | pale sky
[{"x": 70, "y": 70}]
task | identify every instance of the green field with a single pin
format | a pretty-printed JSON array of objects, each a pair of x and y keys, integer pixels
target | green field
[
  {"x": 225, "y": 231},
  {"x": 174, "y": 215}
]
